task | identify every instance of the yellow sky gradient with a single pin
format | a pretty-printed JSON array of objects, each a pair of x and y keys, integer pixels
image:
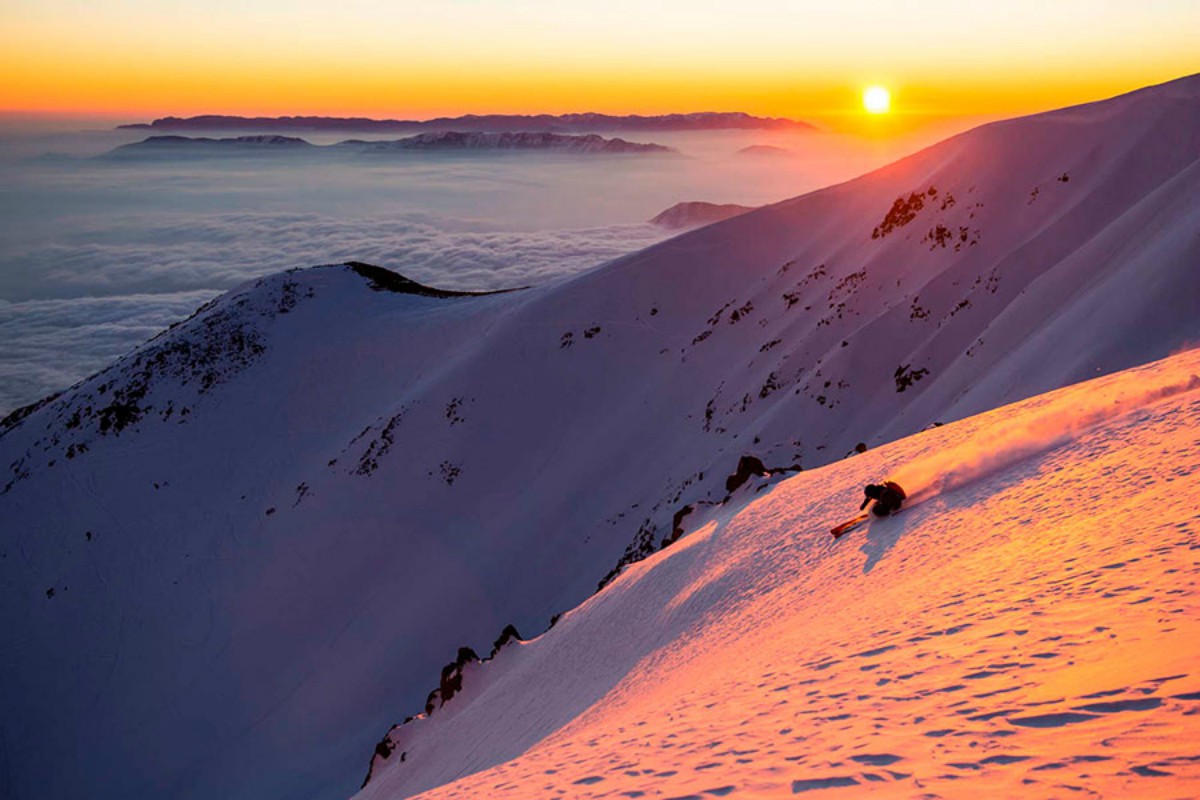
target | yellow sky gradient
[{"x": 147, "y": 58}]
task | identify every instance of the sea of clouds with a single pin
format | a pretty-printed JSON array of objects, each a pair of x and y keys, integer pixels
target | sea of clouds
[
  {"x": 97, "y": 256},
  {"x": 109, "y": 291}
]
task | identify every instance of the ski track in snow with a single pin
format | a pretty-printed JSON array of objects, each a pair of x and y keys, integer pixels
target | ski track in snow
[{"x": 1032, "y": 634}]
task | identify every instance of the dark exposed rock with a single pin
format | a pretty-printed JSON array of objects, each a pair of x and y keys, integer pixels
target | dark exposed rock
[
  {"x": 384, "y": 280},
  {"x": 509, "y": 634},
  {"x": 383, "y": 749},
  {"x": 641, "y": 546},
  {"x": 747, "y": 467},
  {"x": 14, "y": 418},
  {"x": 739, "y": 313},
  {"x": 903, "y": 211},
  {"x": 677, "y": 523},
  {"x": 906, "y": 376},
  {"x": 378, "y": 447},
  {"x": 452, "y": 678}
]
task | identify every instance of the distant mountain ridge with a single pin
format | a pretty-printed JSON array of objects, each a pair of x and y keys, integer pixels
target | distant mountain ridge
[
  {"x": 696, "y": 213},
  {"x": 434, "y": 140},
  {"x": 769, "y": 150},
  {"x": 490, "y": 123},
  {"x": 197, "y": 144},
  {"x": 476, "y": 140}
]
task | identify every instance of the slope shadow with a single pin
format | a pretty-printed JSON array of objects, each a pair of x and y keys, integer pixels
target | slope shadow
[
  {"x": 882, "y": 534},
  {"x": 620, "y": 662}
]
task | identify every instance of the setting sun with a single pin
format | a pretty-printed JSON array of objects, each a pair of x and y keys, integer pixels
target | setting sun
[{"x": 877, "y": 99}]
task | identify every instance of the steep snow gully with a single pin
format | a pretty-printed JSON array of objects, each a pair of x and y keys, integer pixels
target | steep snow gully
[{"x": 232, "y": 559}]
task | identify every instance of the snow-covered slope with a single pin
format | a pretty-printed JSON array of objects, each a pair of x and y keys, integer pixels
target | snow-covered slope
[
  {"x": 230, "y": 561},
  {"x": 1028, "y": 627}
]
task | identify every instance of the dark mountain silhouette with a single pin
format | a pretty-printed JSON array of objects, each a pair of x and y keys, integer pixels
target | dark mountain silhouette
[{"x": 492, "y": 123}]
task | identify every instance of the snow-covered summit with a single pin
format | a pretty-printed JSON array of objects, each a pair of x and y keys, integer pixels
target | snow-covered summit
[
  {"x": 372, "y": 480},
  {"x": 162, "y": 381}
]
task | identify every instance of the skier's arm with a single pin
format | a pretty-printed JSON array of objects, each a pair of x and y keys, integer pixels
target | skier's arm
[{"x": 864, "y": 504}]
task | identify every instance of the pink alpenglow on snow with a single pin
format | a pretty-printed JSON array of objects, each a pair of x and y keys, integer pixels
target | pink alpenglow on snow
[
  {"x": 1031, "y": 632},
  {"x": 1059, "y": 421}
]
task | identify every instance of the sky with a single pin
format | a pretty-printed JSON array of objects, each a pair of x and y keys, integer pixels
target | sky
[{"x": 413, "y": 58}]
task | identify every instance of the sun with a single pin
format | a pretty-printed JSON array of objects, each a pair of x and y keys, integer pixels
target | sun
[{"x": 876, "y": 100}]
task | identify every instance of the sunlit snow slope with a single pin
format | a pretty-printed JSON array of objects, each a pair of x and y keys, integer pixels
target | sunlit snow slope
[
  {"x": 230, "y": 561},
  {"x": 1030, "y": 627}
]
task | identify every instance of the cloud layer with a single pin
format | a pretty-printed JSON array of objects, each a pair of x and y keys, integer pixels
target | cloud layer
[
  {"x": 112, "y": 288},
  {"x": 51, "y": 344},
  {"x": 137, "y": 246}
]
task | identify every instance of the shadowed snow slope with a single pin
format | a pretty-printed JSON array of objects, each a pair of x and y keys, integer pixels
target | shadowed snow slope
[
  {"x": 1031, "y": 631},
  {"x": 232, "y": 559}
]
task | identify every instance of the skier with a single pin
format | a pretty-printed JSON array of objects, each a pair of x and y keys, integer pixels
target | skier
[{"x": 887, "y": 496}]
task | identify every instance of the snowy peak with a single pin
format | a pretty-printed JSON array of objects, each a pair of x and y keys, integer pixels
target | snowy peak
[{"x": 162, "y": 382}]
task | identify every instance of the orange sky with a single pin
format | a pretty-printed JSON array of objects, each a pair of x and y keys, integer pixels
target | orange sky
[{"x": 406, "y": 59}]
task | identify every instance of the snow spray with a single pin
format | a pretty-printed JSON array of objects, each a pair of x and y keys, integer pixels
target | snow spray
[{"x": 1013, "y": 442}]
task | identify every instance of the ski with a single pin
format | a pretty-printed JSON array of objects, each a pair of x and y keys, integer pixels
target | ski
[{"x": 850, "y": 525}]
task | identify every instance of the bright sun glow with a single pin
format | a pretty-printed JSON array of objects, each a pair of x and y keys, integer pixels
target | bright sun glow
[{"x": 877, "y": 100}]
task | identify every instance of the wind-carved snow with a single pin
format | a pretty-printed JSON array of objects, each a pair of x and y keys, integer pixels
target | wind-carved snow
[
  {"x": 1027, "y": 627},
  {"x": 398, "y": 474}
]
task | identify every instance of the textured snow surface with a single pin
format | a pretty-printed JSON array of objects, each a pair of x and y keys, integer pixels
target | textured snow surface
[
  {"x": 230, "y": 561},
  {"x": 1029, "y": 629}
]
